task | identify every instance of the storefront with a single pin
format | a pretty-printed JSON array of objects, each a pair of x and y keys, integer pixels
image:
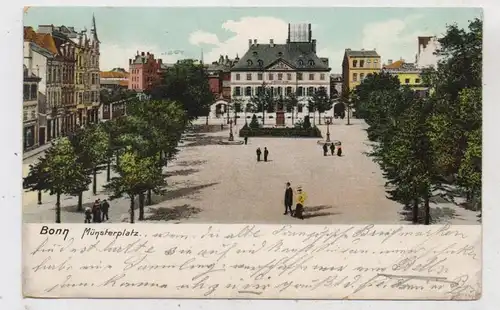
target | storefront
[{"x": 29, "y": 136}]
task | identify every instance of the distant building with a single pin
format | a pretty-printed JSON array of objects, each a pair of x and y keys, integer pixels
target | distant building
[
  {"x": 427, "y": 47},
  {"x": 293, "y": 67},
  {"x": 116, "y": 78},
  {"x": 30, "y": 109},
  {"x": 408, "y": 74},
  {"x": 144, "y": 71},
  {"x": 357, "y": 65},
  {"x": 336, "y": 84}
]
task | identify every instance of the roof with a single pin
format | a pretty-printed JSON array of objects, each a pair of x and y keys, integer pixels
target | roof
[
  {"x": 42, "y": 51},
  {"x": 395, "y": 65},
  {"x": 113, "y": 75},
  {"x": 404, "y": 67},
  {"x": 298, "y": 55},
  {"x": 43, "y": 40},
  {"x": 361, "y": 53}
]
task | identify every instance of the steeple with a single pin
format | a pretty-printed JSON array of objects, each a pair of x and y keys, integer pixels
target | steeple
[{"x": 93, "y": 30}]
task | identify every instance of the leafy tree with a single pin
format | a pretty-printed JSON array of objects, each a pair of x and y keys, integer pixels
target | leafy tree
[
  {"x": 136, "y": 174},
  {"x": 320, "y": 102},
  {"x": 254, "y": 123},
  {"x": 36, "y": 180},
  {"x": 63, "y": 173},
  {"x": 237, "y": 107},
  {"x": 186, "y": 83},
  {"x": 291, "y": 102},
  {"x": 95, "y": 149},
  {"x": 263, "y": 101}
]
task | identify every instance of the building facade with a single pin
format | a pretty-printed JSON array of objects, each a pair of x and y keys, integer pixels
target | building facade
[
  {"x": 290, "y": 68},
  {"x": 356, "y": 65},
  {"x": 30, "y": 109},
  {"x": 144, "y": 71},
  {"x": 408, "y": 74},
  {"x": 426, "y": 54},
  {"x": 114, "y": 85},
  {"x": 219, "y": 79}
]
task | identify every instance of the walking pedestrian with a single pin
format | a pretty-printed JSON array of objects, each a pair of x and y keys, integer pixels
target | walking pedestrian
[
  {"x": 246, "y": 140},
  {"x": 266, "y": 153},
  {"x": 339, "y": 150},
  {"x": 96, "y": 212},
  {"x": 221, "y": 126},
  {"x": 88, "y": 214},
  {"x": 105, "y": 210},
  {"x": 332, "y": 149},
  {"x": 301, "y": 200},
  {"x": 325, "y": 149},
  {"x": 258, "y": 153},
  {"x": 288, "y": 199}
]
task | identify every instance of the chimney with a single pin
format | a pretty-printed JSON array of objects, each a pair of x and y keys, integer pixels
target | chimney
[
  {"x": 389, "y": 61},
  {"x": 271, "y": 42},
  {"x": 309, "y": 33},
  {"x": 129, "y": 61},
  {"x": 314, "y": 45},
  {"x": 142, "y": 53},
  {"x": 288, "y": 39},
  {"x": 249, "y": 42},
  {"x": 254, "y": 41},
  {"x": 362, "y": 49}
]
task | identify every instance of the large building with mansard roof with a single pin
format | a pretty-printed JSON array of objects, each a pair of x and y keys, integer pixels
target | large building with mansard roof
[{"x": 293, "y": 67}]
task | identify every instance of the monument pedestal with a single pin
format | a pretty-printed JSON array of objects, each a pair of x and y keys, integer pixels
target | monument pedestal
[{"x": 280, "y": 118}]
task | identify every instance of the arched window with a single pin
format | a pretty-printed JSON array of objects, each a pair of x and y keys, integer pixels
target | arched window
[
  {"x": 322, "y": 89},
  {"x": 310, "y": 91},
  {"x": 255, "y": 53},
  {"x": 300, "y": 91},
  {"x": 237, "y": 91},
  {"x": 311, "y": 62},
  {"x": 300, "y": 62},
  {"x": 260, "y": 62},
  {"x": 354, "y": 63},
  {"x": 280, "y": 91},
  {"x": 280, "y": 54},
  {"x": 249, "y": 62},
  {"x": 248, "y": 91},
  {"x": 288, "y": 90}
]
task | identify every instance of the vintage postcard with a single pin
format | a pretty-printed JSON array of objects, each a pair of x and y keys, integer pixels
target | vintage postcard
[{"x": 299, "y": 153}]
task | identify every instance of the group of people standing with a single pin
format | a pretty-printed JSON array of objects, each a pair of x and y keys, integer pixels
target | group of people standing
[
  {"x": 98, "y": 213},
  {"x": 332, "y": 149},
  {"x": 301, "y": 199},
  {"x": 259, "y": 152}
]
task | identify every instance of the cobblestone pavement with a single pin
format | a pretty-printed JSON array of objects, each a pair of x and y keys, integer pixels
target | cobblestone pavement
[{"x": 216, "y": 183}]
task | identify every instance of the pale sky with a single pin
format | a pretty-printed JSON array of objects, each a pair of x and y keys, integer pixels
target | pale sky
[{"x": 123, "y": 31}]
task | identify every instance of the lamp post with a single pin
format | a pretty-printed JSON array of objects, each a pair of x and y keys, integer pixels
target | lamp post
[
  {"x": 328, "y": 131},
  {"x": 231, "y": 136}
]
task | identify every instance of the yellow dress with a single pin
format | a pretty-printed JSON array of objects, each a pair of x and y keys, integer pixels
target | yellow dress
[{"x": 301, "y": 198}]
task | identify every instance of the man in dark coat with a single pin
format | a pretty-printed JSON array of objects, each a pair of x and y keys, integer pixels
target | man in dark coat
[
  {"x": 246, "y": 140},
  {"x": 105, "y": 209},
  {"x": 266, "y": 153},
  {"x": 325, "y": 149},
  {"x": 96, "y": 212},
  {"x": 258, "y": 153},
  {"x": 332, "y": 149},
  {"x": 288, "y": 199}
]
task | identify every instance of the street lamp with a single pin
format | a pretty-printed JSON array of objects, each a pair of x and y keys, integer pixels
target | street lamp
[
  {"x": 231, "y": 136},
  {"x": 328, "y": 131}
]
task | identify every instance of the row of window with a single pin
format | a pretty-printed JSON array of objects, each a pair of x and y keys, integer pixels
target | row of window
[
  {"x": 407, "y": 81},
  {"x": 91, "y": 60},
  {"x": 29, "y": 115},
  {"x": 275, "y": 91},
  {"x": 87, "y": 96},
  {"x": 270, "y": 76},
  {"x": 260, "y": 62},
  {"x": 30, "y": 91},
  {"x": 362, "y": 63}
]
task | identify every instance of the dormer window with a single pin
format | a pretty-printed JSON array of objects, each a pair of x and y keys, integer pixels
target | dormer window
[
  {"x": 300, "y": 62},
  {"x": 255, "y": 53},
  {"x": 249, "y": 62},
  {"x": 311, "y": 62},
  {"x": 260, "y": 62},
  {"x": 280, "y": 54}
]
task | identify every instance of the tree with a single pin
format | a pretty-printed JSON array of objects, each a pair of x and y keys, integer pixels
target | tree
[
  {"x": 63, "y": 173},
  {"x": 320, "y": 102},
  {"x": 135, "y": 175},
  {"x": 36, "y": 179},
  {"x": 307, "y": 122},
  {"x": 94, "y": 150},
  {"x": 254, "y": 123},
  {"x": 263, "y": 101},
  {"x": 291, "y": 102},
  {"x": 237, "y": 107},
  {"x": 186, "y": 83}
]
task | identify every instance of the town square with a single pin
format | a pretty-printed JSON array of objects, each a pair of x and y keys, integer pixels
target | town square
[{"x": 278, "y": 129}]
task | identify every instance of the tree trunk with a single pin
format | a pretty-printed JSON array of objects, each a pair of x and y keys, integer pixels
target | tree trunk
[
  {"x": 108, "y": 170},
  {"x": 206, "y": 121},
  {"x": 427, "y": 210},
  {"x": 348, "y": 115},
  {"x": 414, "y": 218},
  {"x": 293, "y": 108},
  {"x": 314, "y": 118},
  {"x": 132, "y": 211},
  {"x": 263, "y": 116},
  {"x": 319, "y": 117},
  {"x": 39, "y": 197},
  {"x": 79, "y": 207},
  {"x": 94, "y": 182},
  {"x": 149, "y": 200},
  {"x": 141, "y": 207},
  {"x": 58, "y": 208}
]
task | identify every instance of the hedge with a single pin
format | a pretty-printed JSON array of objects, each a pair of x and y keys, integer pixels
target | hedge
[{"x": 313, "y": 132}]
